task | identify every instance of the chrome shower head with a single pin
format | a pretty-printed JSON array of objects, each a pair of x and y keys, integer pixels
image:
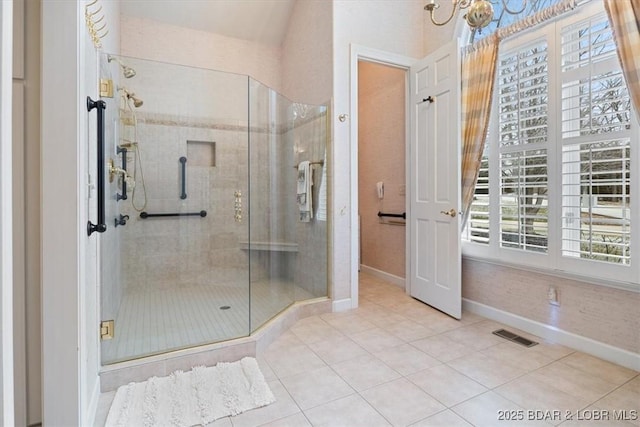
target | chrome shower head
[{"x": 127, "y": 71}]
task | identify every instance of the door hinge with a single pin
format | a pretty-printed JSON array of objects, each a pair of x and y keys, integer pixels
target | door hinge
[
  {"x": 106, "y": 88},
  {"x": 106, "y": 329}
]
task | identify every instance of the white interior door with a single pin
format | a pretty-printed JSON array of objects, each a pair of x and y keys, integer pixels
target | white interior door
[{"x": 434, "y": 220}]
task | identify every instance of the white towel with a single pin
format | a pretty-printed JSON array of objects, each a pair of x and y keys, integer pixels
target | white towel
[
  {"x": 321, "y": 214},
  {"x": 304, "y": 194}
]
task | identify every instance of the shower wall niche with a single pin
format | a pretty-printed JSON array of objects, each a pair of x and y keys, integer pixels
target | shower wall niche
[{"x": 212, "y": 247}]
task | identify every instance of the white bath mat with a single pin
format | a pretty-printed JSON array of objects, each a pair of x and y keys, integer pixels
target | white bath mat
[{"x": 197, "y": 397}]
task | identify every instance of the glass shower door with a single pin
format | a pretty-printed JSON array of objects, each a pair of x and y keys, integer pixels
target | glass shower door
[
  {"x": 288, "y": 245},
  {"x": 175, "y": 269},
  {"x": 272, "y": 250}
]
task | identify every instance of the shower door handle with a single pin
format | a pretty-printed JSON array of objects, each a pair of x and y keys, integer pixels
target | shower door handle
[{"x": 101, "y": 226}]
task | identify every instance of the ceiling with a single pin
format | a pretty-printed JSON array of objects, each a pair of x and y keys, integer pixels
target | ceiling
[{"x": 263, "y": 21}]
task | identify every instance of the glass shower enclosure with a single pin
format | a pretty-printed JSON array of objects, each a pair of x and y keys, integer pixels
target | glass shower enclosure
[{"x": 215, "y": 220}]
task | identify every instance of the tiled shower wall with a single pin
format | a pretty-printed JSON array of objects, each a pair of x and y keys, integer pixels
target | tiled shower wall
[{"x": 163, "y": 253}]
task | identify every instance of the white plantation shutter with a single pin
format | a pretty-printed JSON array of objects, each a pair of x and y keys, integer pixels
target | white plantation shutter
[
  {"x": 586, "y": 43},
  {"x": 523, "y": 98},
  {"x": 596, "y": 154},
  {"x": 523, "y": 204},
  {"x": 523, "y": 84},
  {"x": 596, "y": 214}
]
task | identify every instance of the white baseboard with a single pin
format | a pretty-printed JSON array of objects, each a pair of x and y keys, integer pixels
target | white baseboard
[
  {"x": 599, "y": 349},
  {"x": 387, "y": 277},
  {"x": 342, "y": 305}
]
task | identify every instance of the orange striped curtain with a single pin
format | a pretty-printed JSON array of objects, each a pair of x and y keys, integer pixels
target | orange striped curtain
[
  {"x": 624, "y": 16},
  {"x": 478, "y": 75}
]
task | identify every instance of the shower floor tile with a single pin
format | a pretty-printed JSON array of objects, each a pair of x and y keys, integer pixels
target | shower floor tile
[{"x": 154, "y": 321}]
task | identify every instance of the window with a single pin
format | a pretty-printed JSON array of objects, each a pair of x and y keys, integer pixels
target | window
[
  {"x": 557, "y": 185},
  {"x": 596, "y": 153},
  {"x": 523, "y": 113}
]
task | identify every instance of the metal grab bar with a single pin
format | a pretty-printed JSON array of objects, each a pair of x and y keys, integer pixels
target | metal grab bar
[
  {"x": 183, "y": 194},
  {"x": 101, "y": 226},
  {"x": 402, "y": 215},
  {"x": 145, "y": 215}
]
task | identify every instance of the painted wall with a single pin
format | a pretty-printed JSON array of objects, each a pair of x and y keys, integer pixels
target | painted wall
[
  {"x": 26, "y": 213},
  {"x": 148, "y": 39},
  {"x": 381, "y": 157},
  {"x": 19, "y": 271},
  {"x": 69, "y": 263},
  {"x": 61, "y": 168},
  {"x": 307, "y": 53},
  {"x": 601, "y": 313},
  {"x": 392, "y": 26},
  {"x": 435, "y": 36},
  {"x": 32, "y": 217},
  {"x": 6, "y": 256}
]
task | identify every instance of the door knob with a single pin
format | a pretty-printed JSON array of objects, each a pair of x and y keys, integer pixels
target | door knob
[{"x": 451, "y": 212}]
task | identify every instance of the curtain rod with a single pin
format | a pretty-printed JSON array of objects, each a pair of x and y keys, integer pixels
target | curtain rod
[{"x": 546, "y": 14}]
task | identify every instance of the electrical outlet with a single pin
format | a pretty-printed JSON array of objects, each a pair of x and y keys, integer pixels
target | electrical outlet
[{"x": 552, "y": 296}]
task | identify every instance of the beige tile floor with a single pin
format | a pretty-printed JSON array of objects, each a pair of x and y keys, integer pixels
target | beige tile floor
[{"x": 396, "y": 361}]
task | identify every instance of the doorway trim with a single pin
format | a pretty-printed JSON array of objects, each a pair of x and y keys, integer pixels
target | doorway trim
[
  {"x": 6, "y": 210},
  {"x": 363, "y": 53}
]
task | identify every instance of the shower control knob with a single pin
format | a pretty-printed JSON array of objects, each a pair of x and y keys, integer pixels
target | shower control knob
[{"x": 121, "y": 221}]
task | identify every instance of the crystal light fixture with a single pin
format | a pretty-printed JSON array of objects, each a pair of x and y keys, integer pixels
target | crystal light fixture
[{"x": 479, "y": 14}]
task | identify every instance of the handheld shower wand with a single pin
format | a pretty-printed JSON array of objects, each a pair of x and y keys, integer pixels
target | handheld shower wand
[
  {"x": 127, "y": 95},
  {"x": 137, "y": 102}
]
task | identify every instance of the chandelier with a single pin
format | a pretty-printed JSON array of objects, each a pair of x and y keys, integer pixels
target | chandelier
[{"x": 478, "y": 16}]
